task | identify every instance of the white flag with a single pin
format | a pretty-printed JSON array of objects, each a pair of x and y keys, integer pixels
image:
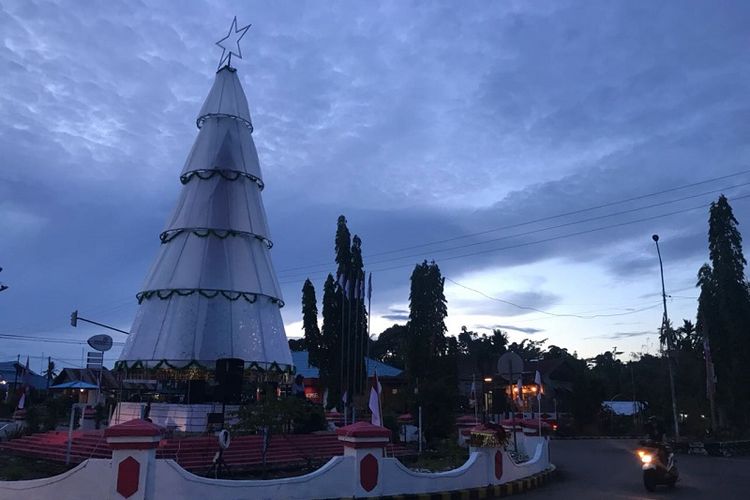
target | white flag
[
  {"x": 374, "y": 403},
  {"x": 473, "y": 394},
  {"x": 519, "y": 387},
  {"x": 538, "y": 382}
]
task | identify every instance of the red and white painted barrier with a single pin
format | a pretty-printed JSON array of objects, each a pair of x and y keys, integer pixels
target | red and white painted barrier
[{"x": 134, "y": 473}]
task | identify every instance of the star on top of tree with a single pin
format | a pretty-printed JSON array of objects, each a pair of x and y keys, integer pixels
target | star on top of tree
[{"x": 230, "y": 44}]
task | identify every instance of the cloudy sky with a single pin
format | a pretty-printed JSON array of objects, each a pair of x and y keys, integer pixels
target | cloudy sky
[{"x": 529, "y": 148}]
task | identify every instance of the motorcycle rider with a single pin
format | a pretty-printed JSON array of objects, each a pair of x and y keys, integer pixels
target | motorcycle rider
[
  {"x": 656, "y": 437},
  {"x": 655, "y": 430}
]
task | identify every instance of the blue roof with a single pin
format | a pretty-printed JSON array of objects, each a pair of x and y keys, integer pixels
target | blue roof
[
  {"x": 304, "y": 368},
  {"x": 8, "y": 373}
]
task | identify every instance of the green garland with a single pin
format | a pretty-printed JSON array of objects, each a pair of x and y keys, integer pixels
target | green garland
[
  {"x": 209, "y": 293},
  {"x": 203, "y": 118},
  {"x": 196, "y": 366},
  {"x": 230, "y": 175},
  {"x": 204, "y": 232}
]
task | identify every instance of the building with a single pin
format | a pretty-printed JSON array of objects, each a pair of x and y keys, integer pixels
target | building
[
  {"x": 389, "y": 377},
  {"x": 12, "y": 376}
]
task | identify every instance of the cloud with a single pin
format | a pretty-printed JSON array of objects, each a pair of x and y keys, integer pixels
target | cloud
[
  {"x": 395, "y": 317},
  {"x": 514, "y": 303},
  {"x": 622, "y": 335},
  {"x": 419, "y": 123},
  {"x": 522, "y": 329}
]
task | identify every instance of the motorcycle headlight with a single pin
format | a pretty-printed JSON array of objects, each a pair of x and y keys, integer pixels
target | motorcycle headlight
[{"x": 646, "y": 458}]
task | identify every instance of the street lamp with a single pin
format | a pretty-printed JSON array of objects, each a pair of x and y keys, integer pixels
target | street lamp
[{"x": 664, "y": 323}]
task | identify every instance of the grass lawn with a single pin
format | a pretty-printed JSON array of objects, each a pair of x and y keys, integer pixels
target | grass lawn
[{"x": 13, "y": 468}]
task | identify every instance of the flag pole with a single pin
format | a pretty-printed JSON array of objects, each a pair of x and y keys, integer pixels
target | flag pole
[
  {"x": 369, "y": 325},
  {"x": 474, "y": 395},
  {"x": 357, "y": 340},
  {"x": 350, "y": 398},
  {"x": 341, "y": 342}
]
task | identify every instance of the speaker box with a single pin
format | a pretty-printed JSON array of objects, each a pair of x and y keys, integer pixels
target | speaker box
[
  {"x": 229, "y": 372},
  {"x": 196, "y": 391}
]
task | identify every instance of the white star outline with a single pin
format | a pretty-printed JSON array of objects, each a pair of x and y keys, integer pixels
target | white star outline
[{"x": 234, "y": 39}]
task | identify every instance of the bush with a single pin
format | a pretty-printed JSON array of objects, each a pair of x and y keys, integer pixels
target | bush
[
  {"x": 281, "y": 416},
  {"x": 390, "y": 422}
]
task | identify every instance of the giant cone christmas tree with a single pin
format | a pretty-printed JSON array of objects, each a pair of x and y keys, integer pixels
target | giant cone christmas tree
[{"x": 212, "y": 292}]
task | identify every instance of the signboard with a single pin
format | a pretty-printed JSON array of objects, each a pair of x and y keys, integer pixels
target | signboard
[
  {"x": 100, "y": 342},
  {"x": 94, "y": 359},
  {"x": 510, "y": 366}
]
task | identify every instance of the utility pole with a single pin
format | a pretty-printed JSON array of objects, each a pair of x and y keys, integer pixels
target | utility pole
[{"x": 665, "y": 335}]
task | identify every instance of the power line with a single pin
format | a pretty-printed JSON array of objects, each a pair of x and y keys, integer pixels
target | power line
[
  {"x": 541, "y": 219},
  {"x": 549, "y": 228},
  {"x": 545, "y": 240},
  {"x": 31, "y": 338},
  {"x": 548, "y": 313}
]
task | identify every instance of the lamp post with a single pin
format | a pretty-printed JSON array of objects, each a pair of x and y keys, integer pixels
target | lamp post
[{"x": 667, "y": 337}]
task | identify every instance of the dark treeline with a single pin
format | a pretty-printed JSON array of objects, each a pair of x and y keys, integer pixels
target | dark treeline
[{"x": 716, "y": 340}]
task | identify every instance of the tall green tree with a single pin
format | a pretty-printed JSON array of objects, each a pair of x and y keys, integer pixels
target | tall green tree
[
  {"x": 342, "y": 247},
  {"x": 313, "y": 338},
  {"x": 357, "y": 331},
  {"x": 431, "y": 359},
  {"x": 724, "y": 312},
  {"x": 427, "y": 312},
  {"x": 330, "y": 356}
]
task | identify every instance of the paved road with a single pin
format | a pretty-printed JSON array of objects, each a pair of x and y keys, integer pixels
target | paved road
[{"x": 609, "y": 469}]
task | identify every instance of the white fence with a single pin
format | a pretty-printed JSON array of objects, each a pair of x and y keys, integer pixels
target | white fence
[
  {"x": 186, "y": 418},
  {"x": 363, "y": 471}
]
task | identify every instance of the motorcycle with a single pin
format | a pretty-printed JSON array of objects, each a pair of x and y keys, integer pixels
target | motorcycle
[{"x": 658, "y": 464}]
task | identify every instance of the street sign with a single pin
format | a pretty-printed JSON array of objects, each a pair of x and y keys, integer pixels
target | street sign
[
  {"x": 94, "y": 359},
  {"x": 100, "y": 342},
  {"x": 510, "y": 366}
]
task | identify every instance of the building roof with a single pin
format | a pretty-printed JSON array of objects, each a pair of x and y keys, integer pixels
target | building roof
[
  {"x": 624, "y": 407},
  {"x": 87, "y": 375},
  {"x": 8, "y": 374},
  {"x": 302, "y": 364}
]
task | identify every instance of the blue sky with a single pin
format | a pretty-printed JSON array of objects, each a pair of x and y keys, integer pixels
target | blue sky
[{"x": 420, "y": 121}]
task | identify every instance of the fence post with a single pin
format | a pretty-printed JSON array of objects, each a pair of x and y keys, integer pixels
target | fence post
[
  {"x": 133, "y": 446},
  {"x": 365, "y": 443}
]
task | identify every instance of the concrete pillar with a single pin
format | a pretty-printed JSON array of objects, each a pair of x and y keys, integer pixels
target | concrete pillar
[
  {"x": 487, "y": 440},
  {"x": 88, "y": 421},
  {"x": 133, "y": 446},
  {"x": 365, "y": 443}
]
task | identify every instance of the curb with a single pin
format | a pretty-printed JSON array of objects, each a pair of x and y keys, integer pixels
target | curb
[
  {"x": 571, "y": 438},
  {"x": 491, "y": 491}
]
